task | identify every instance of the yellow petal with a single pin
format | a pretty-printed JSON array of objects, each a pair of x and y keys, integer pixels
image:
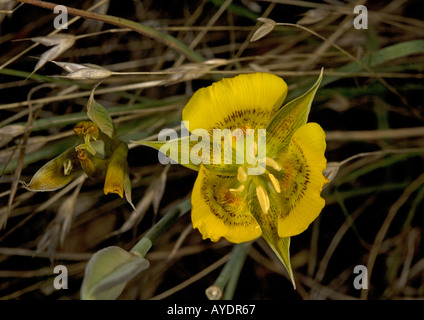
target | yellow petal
[
  {"x": 217, "y": 212},
  {"x": 301, "y": 187},
  {"x": 245, "y": 101},
  {"x": 114, "y": 181}
]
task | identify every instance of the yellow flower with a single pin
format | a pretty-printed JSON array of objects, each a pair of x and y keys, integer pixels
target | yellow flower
[
  {"x": 98, "y": 153},
  {"x": 284, "y": 198}
]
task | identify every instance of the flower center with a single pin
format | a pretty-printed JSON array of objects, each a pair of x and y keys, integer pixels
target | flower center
[
  {"x": 259, "y": 185},
  {"x": 89, "y": 131}
]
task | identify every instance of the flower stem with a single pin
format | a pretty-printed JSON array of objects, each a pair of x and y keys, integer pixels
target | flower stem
[
  {"x": 144, "y": 245},
  {"x": 239, "y": 258},
  {"x": 229, "y": 275}
]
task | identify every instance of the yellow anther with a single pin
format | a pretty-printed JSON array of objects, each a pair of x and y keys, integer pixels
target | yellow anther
[
  {"x": 238, "y": 190},
  {"x": 272, "y": 163},
  {"x": 86, "y": 164},
  {"x": 241, "y": 175},
  {"x": 93, "y": 132},
  {"x": 274, "y": 182},
  {"x": 253, "y": 152},
  {"x": 81, "y": 154},
  {"x": 87, "y": 128},
  {"x": 263, "y": 198}
]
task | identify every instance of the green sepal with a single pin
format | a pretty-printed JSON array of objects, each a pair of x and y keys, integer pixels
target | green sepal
[
  {"x": 51, "y": 176},
  {"x": 288, "y": 119},
  {"x": 127, "y": 186},
  {"x": 174, "y": 149},
  {"x": 281, "y": 247},
  {"x": 98, "y": 114},
  {"x": 180, "y": 151},
  {"x": 108, "y": 271}
]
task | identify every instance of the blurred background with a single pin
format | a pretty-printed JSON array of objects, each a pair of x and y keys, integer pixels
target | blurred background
[{"x": 370, "y": 105}]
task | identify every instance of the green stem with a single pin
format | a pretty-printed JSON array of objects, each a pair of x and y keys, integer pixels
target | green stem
[
  {"x": 229, "y": 275},
  {"x": 168, "y": 40},
  {"x": 144, "y": 245},
  {"x": 240, "y": 254}
]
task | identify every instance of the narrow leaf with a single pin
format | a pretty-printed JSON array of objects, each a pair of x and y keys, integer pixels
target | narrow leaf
[
  {"x": 159, "y": 189},
  {"x": 66, "y": 211},
  {"x": 139, "y": 211},
  {"x": 380, "y": 57}
]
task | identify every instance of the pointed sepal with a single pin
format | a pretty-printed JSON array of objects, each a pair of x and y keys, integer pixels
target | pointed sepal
[
  {"x": 281, "y": 247},
  {"x": 98, "y": 114},
  {"x": 288, "y": 119},
  {"x": 56, "y": 173}
]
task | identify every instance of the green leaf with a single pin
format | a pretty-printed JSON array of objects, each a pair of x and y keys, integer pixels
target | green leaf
[
  {"x": 383, "y": 55},
  {"x": 98, "y": 114},
  {"x": 288, "y": 119},
  {"x": 108, "y": 271},
  {"x": 378, "y": 58}
]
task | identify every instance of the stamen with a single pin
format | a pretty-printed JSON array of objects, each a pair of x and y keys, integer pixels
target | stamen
[
  {"x": 67, "y": 167},
  {"x": 238, "y": 190},
  {"x": 93, "y": 132},
  {"x": 253, "y": 152},
  {"x": 241, "y": 175},
  {"x": 262, "y": 198},
  {"x": 272, "y": 163},
  {"x": 81, "y": 154},
  {"x": 274, "y": 182}
]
